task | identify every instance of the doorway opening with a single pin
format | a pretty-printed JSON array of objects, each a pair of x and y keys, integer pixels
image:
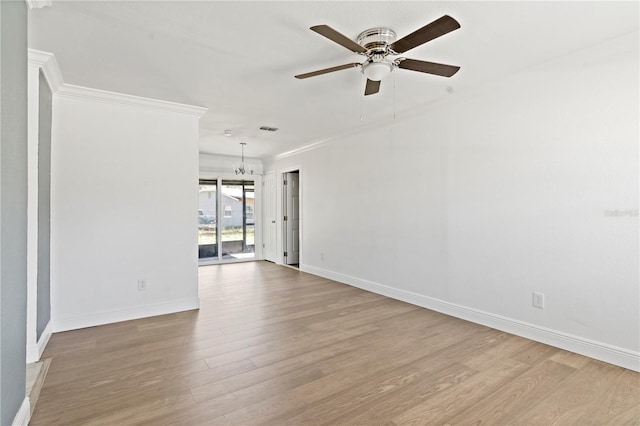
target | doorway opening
[{"x": 291, "y": 218}]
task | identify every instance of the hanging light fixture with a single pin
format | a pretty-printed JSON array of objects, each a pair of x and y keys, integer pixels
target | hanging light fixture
[{"x": 243, "y": 168}]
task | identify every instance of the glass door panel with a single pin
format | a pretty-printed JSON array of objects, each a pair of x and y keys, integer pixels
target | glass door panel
[
  {"x": 250, "y": 223},
  {"x": 238, "y": 223},
  {"x": 207, "y": 224}
]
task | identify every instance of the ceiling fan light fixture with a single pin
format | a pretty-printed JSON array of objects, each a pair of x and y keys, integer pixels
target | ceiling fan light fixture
[{"x": 376, "y": 71}]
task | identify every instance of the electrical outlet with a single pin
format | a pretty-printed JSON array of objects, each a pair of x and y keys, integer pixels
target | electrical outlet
[
  {"x": 538, "y": 300},
  {"x": 142, "y": 285}
]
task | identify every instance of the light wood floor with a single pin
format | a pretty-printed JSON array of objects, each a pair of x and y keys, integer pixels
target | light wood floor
[{"x": 272, "y": 345}]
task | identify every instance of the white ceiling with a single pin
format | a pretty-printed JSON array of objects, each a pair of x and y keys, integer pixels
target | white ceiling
[{"x": 238, "y": 58}]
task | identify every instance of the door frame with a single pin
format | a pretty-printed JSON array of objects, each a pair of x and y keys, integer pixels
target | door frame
[
  {"x": 267, "y": 218},
  {"x": 281, "y": 173}
]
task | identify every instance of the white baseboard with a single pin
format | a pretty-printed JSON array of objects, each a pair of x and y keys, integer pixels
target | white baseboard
[
  {"x": 83, "y": 321},
  {"x": 34, "y": 352},
  {"x": 602, "y": 351},
  {"x": 23, "y": 416}
]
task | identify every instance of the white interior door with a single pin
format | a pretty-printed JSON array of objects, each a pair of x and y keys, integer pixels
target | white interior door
[
  {"x": 270, "y": 216},
  {"x": 292, "y": 218}
]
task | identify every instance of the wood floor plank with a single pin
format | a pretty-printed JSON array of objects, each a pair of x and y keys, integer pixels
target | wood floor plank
[
  {"x": 444, "y": 405},
  {"x": 570, "y": 402},
  {"x": 380, "y": 410},
  {"x": 131, "y": 414},
  {"x": 315, "y": 358},
  {"x": 359, "y": 314},
  {"x": 273, "y": 345},
  {"x": 515, "y": 396},
  {"x": 500, "y": 350},
  {"x": 235, "y": 400},
  {"x": 618, "y": 403},
  {"x": 82, "y": 400},
  {"x": 569, "y": 358},
  {"x": 374, "y": 390},
  {"x": 534, "y": 353},
  {"x": 274, "y": 351}
]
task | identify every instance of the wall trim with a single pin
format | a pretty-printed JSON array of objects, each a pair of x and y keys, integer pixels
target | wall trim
[
  {"x": 34, "y": 351},
  {"x": 83, "y": 321},
  {"x": 23, "y": 416},
  {"x": 223, "y": 164},
  {"x": 382, "y": 123},
  {"x": 369, "y": 126},
  {"x": 598, "y": 350},
  {"x": 47, "y": 61},
  {"x": 37, "y": 4},
  {"x": 97, "y": 95}
]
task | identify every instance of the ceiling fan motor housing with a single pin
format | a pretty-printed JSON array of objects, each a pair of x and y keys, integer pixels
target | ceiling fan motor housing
[{"x": 376, "y": 40}]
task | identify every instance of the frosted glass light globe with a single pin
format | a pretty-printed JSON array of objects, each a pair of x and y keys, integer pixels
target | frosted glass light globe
[{"x": 376, "y": 71}]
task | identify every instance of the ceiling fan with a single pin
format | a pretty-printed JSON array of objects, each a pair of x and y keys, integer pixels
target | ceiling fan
[{"x": 378, "y": 44}]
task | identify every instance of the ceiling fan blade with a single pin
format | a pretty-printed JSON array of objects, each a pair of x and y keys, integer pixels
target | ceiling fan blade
[
  {"x": 435, "y": 29},
  {"x": 328, "y": 70},
  {"x": 341, "y": 39},
  {"x": 372, "y": 87},
  {"x": 428, "y": 67}
]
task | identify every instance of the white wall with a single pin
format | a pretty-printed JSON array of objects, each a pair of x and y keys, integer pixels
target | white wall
[
  {"x": 14, "y": 407},
  {"x": 124, "y": 207},
  {"x": 471, "y": 205}
]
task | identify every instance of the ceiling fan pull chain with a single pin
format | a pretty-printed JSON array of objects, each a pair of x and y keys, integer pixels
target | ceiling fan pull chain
[
  {"x": 361, "y": 97},
  {"x": 394, "y": 96}
]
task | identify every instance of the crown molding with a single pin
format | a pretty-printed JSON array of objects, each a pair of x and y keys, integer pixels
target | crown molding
[
  {"x": 47, "y": 61},
  {"x": 215, "y": 163},
  {"x": 97, "y": 95},
  {"x": 37, "y": 4},
  {"x": 391, "y": 120}
]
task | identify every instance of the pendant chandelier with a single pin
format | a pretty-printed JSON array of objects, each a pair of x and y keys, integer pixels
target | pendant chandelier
[{"x": 242, "y": 168}]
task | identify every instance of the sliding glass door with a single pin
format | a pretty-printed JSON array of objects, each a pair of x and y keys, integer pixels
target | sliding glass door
[{"x": 226, "y": 220}]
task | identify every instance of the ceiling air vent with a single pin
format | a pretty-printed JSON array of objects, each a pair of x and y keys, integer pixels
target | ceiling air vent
[{"x": 268, "y": 129}]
